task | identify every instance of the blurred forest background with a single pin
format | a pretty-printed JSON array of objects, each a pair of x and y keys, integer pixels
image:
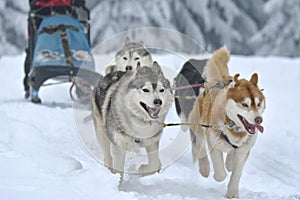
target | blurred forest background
[{"x": 256, "y": 27}]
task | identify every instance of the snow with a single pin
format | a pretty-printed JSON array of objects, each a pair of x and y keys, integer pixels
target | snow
[{"x": 44, "y": 154}]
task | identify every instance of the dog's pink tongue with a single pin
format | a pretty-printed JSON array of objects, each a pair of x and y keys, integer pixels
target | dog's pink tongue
[
  {"x": 259, "y": 127},
  {"x": 154, "y": 111}
]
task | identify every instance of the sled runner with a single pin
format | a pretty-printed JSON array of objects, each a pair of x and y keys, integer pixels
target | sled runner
[{"x": 59, "y": 47}]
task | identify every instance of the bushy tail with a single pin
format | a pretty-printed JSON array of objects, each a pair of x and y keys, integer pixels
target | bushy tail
[{"x": 216, "y": 69}]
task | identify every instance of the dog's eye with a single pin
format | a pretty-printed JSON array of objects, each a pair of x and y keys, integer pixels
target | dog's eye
[
  {"x": 145, "y": 90},
  {"x": 162, "y": 90},
  {"x": 245, "y": 105},
  {"x": 136, "y": 58},
  {"x": 258, "y": 105},
  {"x": 124, "y": 58}
]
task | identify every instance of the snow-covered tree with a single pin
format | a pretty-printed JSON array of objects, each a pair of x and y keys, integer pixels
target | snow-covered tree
[
  {"x": 225, "y": 22},
  {"x": 13, "y": 20},
  {"x": 281, "y": 33}
]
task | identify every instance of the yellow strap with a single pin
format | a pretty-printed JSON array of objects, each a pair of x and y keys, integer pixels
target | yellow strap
[{"x": 186, "y": 97}]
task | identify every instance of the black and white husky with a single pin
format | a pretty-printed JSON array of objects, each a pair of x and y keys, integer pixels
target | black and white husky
[
  {"x": 186, "y": 85},
  {"x": 128, "y": 57},
  {"x": 129, "y": 109}
]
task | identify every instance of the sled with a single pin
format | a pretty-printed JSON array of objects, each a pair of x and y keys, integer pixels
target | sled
[{"x": 60, "y": 49}]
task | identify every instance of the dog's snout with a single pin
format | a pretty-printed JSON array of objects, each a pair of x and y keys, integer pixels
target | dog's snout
[
  {"x": 128, "y": 68},
  {"x": 258, "y": 120},
  {"x": 157, "y": 102}
]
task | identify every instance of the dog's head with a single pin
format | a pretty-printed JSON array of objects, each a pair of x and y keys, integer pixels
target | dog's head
[
  {"x": 149, "y": 94},
  {"x": 245, "y": 104},
  {"x": 131, "y": 54}
]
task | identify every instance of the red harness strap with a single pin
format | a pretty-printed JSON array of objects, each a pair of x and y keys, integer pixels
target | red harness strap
[{"x": 52, "y": 3}]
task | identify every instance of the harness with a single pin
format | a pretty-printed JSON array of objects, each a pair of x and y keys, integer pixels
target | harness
[
  {"x": 188, "y": 86},
  {"x": 230, "y": 125},
  {"x": 220, "y": 128},
  {"x": 218, "y": 85},
  {"x": 187, "y": 97}
]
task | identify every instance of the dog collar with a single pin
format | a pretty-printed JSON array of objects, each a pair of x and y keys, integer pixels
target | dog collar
[{"x": 227, "y": 140}]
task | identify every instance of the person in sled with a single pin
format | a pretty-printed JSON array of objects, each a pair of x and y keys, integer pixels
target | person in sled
[{"x": 38, "y": 9}]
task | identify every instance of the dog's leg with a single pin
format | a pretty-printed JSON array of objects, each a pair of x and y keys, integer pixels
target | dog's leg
[
  {"x": 119, "y": 155},
  {"x": 154, "y": 164},
  {"x": 239, "y": 159},
  {"x": 194, "y": 145},
  {"x": 107, "y": 155},
  {"x": 229, "y": 161},
  {"x": 199, "y": 152},
  {"x": 204, "y": 168},
  {"x": 105, "y": 146},
  {"x": 218, "y": 163}
]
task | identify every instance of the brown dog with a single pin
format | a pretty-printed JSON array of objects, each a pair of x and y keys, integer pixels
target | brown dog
[{"x": 226, "y": 117}]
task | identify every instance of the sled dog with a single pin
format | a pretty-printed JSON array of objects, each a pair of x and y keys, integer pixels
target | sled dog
[
  {"x": 128, "y": 57},
  {"x": 226, "y": 117},
  {"x": 129, "y": 109},
  {"x": 189, "y": 75}
]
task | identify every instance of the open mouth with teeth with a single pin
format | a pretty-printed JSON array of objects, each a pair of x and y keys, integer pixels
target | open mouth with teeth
[
  {"x": 250, "y": 128},
  {"x": 152, "y": 112}
]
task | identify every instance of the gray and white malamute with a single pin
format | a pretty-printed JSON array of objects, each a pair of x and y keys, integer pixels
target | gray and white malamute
[
  {"x": 128, "y": 57},
  {"x": 129, "y": 109}
]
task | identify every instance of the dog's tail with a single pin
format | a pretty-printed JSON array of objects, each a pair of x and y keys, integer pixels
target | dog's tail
[{"x": 216, "y": 69}]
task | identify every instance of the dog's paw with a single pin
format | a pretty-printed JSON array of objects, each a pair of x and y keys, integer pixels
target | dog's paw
[
  {"x": 204, "y": 168},
  {"x": 232, "y": 194},
  {"x": 146, "y": 170},
  {"x": 220, "y": 176},
  {"x": 108, "y": 164},
  {"x": 115, "y": 171},
  {"x": 111, "y": 170}
]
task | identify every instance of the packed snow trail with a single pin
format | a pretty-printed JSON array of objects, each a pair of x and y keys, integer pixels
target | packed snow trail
[{"x": 42, "y": 157}]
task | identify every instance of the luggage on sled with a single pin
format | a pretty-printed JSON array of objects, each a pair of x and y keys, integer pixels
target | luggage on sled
[{"x": 59, "y": 47}]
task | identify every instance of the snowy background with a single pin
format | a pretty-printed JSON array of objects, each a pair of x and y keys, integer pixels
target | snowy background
[
  {"x": 261, "y": 27},
  {"x": 42, "y": 157},
  {"x": 43, "y": 154}
]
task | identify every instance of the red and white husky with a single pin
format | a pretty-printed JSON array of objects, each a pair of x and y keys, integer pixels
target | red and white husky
[{"x": 226, "y": 118}]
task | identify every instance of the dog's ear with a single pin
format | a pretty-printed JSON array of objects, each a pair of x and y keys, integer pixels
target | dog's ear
[
  {"x": 157, "y": 68},
  {"x": 235, "y": 78},
  {"x": 254, "y": 79},
  {"x": 126, "y": 41},
  {"x": 235, "y": 81},
  {"x": 110, "y": 68}
]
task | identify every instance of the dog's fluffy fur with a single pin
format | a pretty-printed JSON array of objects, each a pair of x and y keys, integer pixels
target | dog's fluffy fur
[
  {"x": 241, "y": 104},
  {"x": 129, "y": 109}
]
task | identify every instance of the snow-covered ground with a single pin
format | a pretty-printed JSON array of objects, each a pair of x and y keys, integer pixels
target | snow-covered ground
[{"x": 42, "y": 156}]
